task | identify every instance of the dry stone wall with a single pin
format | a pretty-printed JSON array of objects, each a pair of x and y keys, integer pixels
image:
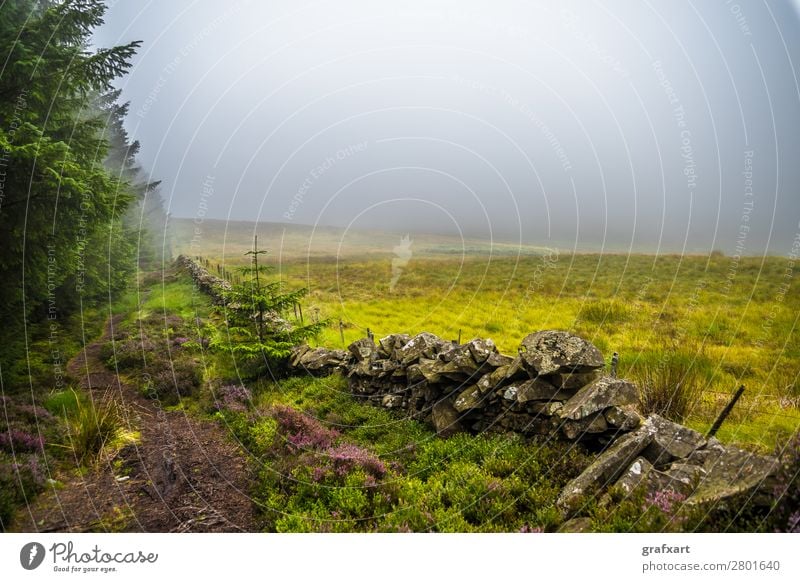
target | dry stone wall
[
  {"x": 556, "y": 386},
  {"x": 209, "y": 284}
]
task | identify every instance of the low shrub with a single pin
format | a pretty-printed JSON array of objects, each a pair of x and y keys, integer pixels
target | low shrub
[
  {"x": 360, "y": 477},
  {"x": 128, "y": 354},
  {"x": 15, "y": 440},
  {"x": 21, "y": 478},
  {"x": 169, "y": 381},
  {"x": 233, "y": 397}
]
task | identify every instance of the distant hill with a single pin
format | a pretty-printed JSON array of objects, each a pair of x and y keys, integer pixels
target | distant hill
[{"x": 230, "y": 239}]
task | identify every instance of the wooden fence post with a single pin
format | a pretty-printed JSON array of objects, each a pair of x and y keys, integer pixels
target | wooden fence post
[{"x": 725, "y": 412}]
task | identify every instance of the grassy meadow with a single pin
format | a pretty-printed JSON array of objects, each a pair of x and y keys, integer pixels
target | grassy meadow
[
  {"x": 709, "y": 323},
  {"x": 324, "y": 461}
]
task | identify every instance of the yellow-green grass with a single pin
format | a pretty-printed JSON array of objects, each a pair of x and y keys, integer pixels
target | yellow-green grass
[{"x": 734, "y": 320}]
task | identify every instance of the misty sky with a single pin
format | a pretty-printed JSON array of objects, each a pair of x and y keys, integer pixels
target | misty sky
[{"x": 638, "y": 124}]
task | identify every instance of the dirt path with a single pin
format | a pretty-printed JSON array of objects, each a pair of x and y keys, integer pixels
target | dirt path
[{"x": 183, "y": 474}]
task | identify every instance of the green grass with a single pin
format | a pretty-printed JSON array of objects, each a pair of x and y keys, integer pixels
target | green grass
[
  {"x": 488, "y": 482},
  {"x": 91, "y": 424},
  {"x": 367, "y": 469},
  {"x": 724, "y": 331}
]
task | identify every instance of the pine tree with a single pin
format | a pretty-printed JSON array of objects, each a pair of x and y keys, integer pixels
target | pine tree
[{"x": 256, "y": 331}]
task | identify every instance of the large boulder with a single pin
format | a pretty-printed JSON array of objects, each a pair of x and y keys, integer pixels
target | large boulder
[
  {"x": 558, "y": 352},
  {"x": 605, "y": 470},
  {"x": 603, "y": 393}
]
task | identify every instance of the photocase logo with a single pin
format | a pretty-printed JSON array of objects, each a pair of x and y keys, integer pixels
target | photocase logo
[
  {"x": 402, "y": 254},
  {"x": 31, "y": 555}
]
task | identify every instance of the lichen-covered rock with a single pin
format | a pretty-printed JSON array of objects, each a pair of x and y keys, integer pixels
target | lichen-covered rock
[
  {"x": 469, "y": 399},
  {"x": 603, "y": 393},
  {"x": 642, "y": 475},
  {"x": 592, "y": 424},
  {"x": 392, "y": 401},
  {"x": 687, "y": 473},
  {"x": 671, "y": 441},
  {"x": 605, "y": 470},
  {"x": 445, "y": 418},
  {"x": 388, "y": 346},
  {"x": 414, "y": 374},
  {"x": 572, "y": 381},
  {"x": 382, "y": 368},
  {"x": 623, "y": 417},
  {"x": 496, "y": 360},
  {"x": 491, "y": 380},
  {"x": 537, "y": 389},
  {"x": 431, "y": 370},
  {"x": 635, "y": 476},
  {"x": 732, "y": 473},
  {"x": 423, "y": 345},
  {"x": 320, "y": 360},
  {"x": 362, "y": 349},
  {"x": 481, "y": 349},
  {"x": 297, "y": 353},
  {"x": 460, "y": 364},
  {"x": 558, "y": 352}
]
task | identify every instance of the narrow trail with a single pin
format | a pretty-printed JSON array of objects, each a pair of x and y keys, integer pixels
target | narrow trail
[{"x": 182, "y": 475}]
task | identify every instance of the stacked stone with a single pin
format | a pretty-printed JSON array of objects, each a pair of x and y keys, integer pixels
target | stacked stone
[
  {"x": 205, "y": 281},
  {"x": 215, "y": 287},
  {"x": 318, "y": 361},
  {"x": 664, "y": 456},
  {"x": 554, "y": 384}
]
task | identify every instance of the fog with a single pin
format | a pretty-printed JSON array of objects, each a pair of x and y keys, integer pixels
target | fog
[{"x": 653, "y": 126}]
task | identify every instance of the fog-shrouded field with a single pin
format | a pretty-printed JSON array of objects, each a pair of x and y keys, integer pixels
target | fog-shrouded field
[{"x": 712, "y": 321}]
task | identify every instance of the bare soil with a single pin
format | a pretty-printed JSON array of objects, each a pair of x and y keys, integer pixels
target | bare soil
[{"x": 183, "y": 475}]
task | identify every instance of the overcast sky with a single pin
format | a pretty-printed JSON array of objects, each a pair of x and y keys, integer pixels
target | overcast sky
[{"x": 637, "y": 124}]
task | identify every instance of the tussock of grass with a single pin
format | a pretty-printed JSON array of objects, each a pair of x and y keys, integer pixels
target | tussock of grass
[
  {"x": 671, "y": 382},
  {"x": 92, "y": 424}
]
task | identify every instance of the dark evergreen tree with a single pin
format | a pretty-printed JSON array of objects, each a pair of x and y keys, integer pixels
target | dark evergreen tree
[{"x": 58, "y": 200}]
